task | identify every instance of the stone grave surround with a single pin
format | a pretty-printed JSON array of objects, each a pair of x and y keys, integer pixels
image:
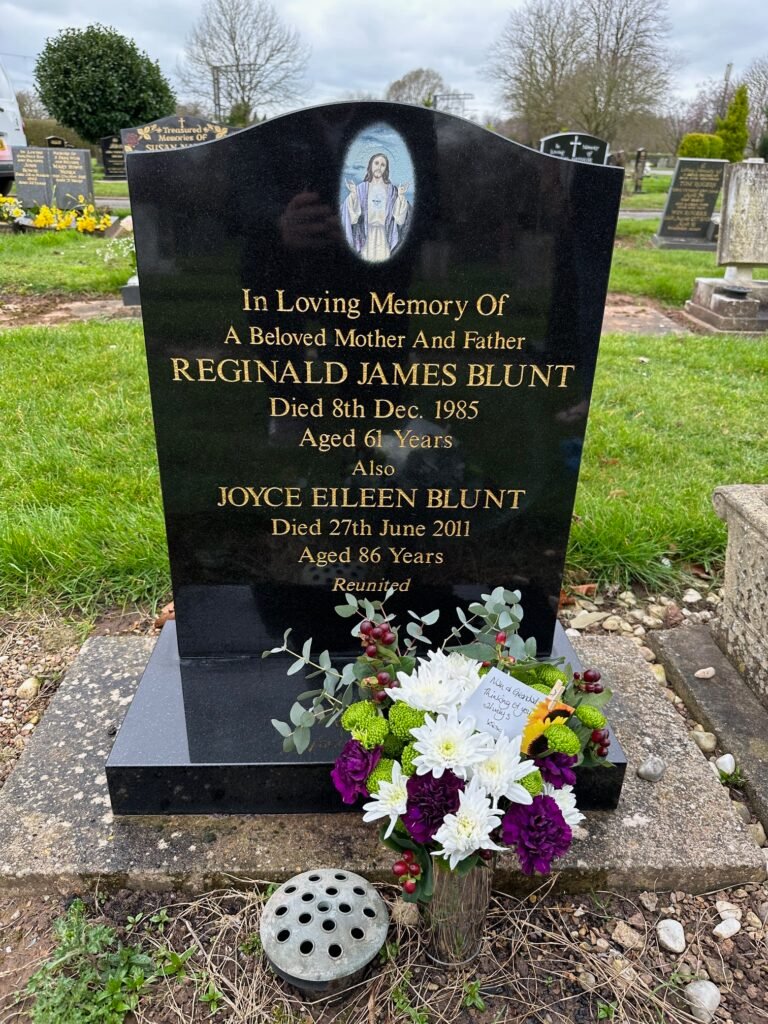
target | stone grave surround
[
  {"x": 738, "y": 302},
  {"x": 371, "y": 357}
]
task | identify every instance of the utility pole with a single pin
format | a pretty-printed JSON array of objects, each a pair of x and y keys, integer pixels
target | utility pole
[{"x": 726, "y": 82}]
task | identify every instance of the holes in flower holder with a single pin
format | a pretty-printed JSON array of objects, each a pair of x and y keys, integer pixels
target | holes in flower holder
[
  {"x": 359, "y": 890},
  {"x": 284, "y": 935},
  {"x": 369, "y": 912},
  {"x": 344, "y": 908},
  {"x": 332, "y": 890},
  {"x": 323, "y": 907},
  {"x": 329, "y": 924},
  {"x": 357, "y": 933},
  {"x": 290, "y": 888},
  {"x": 334, "y": 951},
  {"x": 314, "y": 878},
  {"x": 305, "y": 918},
  {"x": 341, "y": 878},
  {"x": 307, "y": 897},
  {"x": 281, "y": 911},
  {"x": 306, "y": 947}
]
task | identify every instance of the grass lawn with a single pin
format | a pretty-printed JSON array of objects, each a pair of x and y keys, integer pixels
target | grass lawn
[
  {"x": 667, "y": 275},
  {"x": 80, "y": 514},
  {"x": 111, "y": 188},
  {"x": 64, "y": 261}
]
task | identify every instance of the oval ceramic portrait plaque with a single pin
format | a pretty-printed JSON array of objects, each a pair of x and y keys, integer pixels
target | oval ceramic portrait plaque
[{"x": 377, "y": 193}]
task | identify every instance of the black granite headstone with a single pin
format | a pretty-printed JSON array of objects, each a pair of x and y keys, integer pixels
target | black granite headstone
[
  {"x": 371, "y": 355},
  {"x": 686, "y": 222},
  {"x": 578, "y": 146},
  {"x": 113, "y": 158},
  {"x": 172, "y": 132},
  {"x": 56, "y": 142},
  {"x": 46, "y": 177},
  {"x": 31, "y": 170}
]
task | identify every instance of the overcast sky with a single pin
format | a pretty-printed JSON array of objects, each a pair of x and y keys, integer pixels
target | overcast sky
[{"x": 363, "y": 47}]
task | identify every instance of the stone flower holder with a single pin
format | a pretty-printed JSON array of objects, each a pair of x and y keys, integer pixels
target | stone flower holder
[{"x": 741, "y": 629}]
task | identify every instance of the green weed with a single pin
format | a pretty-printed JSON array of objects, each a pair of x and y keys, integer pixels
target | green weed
[{"x": 472, "y": 998}]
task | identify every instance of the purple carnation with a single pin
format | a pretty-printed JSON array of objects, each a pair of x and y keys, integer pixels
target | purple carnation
[
  {"x": 538, "y": 832},
  {"x": 429, "y": 800},
  {"x": 353, "y": 766},
  {"x": 557, "y": 769}
]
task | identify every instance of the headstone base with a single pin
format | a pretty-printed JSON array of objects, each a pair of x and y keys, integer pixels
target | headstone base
[
  {"x": 694, "y": 244},
  {"x": 130, "y": 292},
  {"x": 159, "y": 765},
  {"x": 719, "y": 303}
]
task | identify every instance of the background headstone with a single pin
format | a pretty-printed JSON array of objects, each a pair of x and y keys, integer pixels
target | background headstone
[
  {"x": 112, "y": 157},
  {"x": 640, "y": 161},
  {"x": 56, "y": 142},
  {"x": 686, "y": 222},
  {"x": 31, "y": 170},
  {"x": 172, "y": 132},
  {"x": 578, "y": 146},
  {"x": 346, "y": 403}
]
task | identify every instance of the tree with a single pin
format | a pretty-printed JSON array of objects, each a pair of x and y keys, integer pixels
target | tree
[
  {"x": 30, "y": 106},
  {"x": 418, "y": 86},
  {"x": 732, "y": 128},
  {"x": 96, "y": 82},
  {"x": 756, "y": 80},
  {"x": 261, "y": 61},
  {"x": 588, "y": 64}
]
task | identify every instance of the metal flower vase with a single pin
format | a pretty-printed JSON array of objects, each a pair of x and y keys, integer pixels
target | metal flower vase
[{"x": 455, "y": 916}]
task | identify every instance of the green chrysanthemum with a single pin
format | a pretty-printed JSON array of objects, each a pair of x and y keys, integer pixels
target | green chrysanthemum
[
  {"x": 541, "y": 687},
  {"x": 381, "y": 773},
  {"x": 392, "y": 746},
  {"x": 550, "y": 675},
  {"x": 357, "y": 714},
  {"x": 406, "y": 759},
  {"x": 593, "y": 718},
  {"x": 371, "y": 733},
  {"x": 533, "y": 783},
  {"x": 403, "y": 718},
  {"x": 562, "y": 740}
]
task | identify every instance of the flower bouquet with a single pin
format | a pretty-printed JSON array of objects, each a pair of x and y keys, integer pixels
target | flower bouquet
[{"x": 450, "y": 792}]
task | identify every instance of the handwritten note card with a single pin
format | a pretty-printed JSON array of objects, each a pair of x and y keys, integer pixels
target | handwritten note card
[{"x": 501, "y": 704}]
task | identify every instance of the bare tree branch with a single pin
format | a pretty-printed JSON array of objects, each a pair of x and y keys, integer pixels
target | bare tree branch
[
  {"x": 417, "y": 86},
  {"x": 264, "y": 60}
]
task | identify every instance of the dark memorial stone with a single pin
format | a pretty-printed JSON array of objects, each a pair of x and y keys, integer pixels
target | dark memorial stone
[
  {"x": 577, "y": 146},
  {"x": 112, "y": 158},
  {"x": 56, "y": 142},
  {"x": 640, "y": 160},
  {"x": 687, "y": 219},
  {"x": 31, "y": 170},
  {"x": 46, "y": 177},
  {"x": 172, "y": 132},
  {"x": 356, "y": 384}
]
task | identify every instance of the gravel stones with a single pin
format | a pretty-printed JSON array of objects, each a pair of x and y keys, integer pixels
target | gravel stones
[
  {"x": 705, "y": 741},
  {"x": 692, "y": 596},
  {"x": 703, "y": 998},
  {"x": 726, "y": 764},
  {"x": 727, "y": 929},
  {"x": 626, "y": 936},
  {"x": 671, "y": 935},
  {"x": 757, "y": 832},
  {"x": 29, "y": 689},
  {"x": 652, "y": 770},
  {"x": 728, "y": 911},
  {"x": 705, "y": 673}
]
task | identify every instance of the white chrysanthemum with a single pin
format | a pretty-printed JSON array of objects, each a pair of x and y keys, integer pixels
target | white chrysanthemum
[
  {"x": 469, "y": 829},
  {"x": 426, "y": 689},
  {"x": 446, "y": 743},
  {"x": 457, "y": 668},
  {"x": 565, "y": 799},
  {"x": 390, "y": 800},
  {"x": 500, "y": 774}
]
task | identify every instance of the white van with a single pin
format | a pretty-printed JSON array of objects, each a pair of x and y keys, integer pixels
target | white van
[{"x": 11, "y": 131}]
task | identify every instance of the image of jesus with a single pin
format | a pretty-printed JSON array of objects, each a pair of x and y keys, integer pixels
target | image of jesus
[{"x": 375, "y": 213}]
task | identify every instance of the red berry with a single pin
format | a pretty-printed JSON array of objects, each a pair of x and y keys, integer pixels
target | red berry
[
  {"x": 400, "y": 868},
  {"x": 409, "y": 886},
  {"x": 577, "y": 675},
  {"x": 414, "y": 869},
  {"x": 501, "y": 637},
  {"x": 371, "y": 650},
  {"x": 602, "y": 751},
  {"x": 486, "y": 664},
  {"x": 366, "y": 626},
  {"x": 597, "y": 687},
  {"x": 592, "y": 676},
  {"x": 388, "y": 639},
  {"x": 408, "y": 856},
  {"x": 379, "y": 696},
  {"x": 384, "y": 678},
  {"x": 486, "y": 854},
  {"x": 377, "y": 632},
  {"x": 597, "y": 736}
]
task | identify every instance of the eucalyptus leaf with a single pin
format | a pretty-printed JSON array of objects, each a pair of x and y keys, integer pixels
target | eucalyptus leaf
[
  {"x": 306, "y": 650},
  {"x": 480, "y": 652},
  {"x": 477, "y": 609},
  {"x": 307, "y": 720},
  {"x": 324, "y": 660},
  {"x": 344, "y": 611},
  {"x": 297, "y": 666},
  {"x": 282, "y": 727},
  {"x": 461, "y": 615},
  {"x": 390, "y": 592},
  {"x": 370, "y": 611},
  {"x": 329, "y": 684},
  {"x": 296, "y": 712},
  {"x": 288, "y": 745},
  {"x": 530, "y": 646},
  {"x": 413, "y": 629},
  {"x": 431, "y": 617},
  {"x": 351, "y": 600},
  {"x": 307, "y": 694},
  {"x": 301, "y": 738}
]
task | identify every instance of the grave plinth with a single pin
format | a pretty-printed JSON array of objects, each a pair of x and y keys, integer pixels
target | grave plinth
[
  {"x": 737, "y": 302},
  {"x": 371, "y": 355}
]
